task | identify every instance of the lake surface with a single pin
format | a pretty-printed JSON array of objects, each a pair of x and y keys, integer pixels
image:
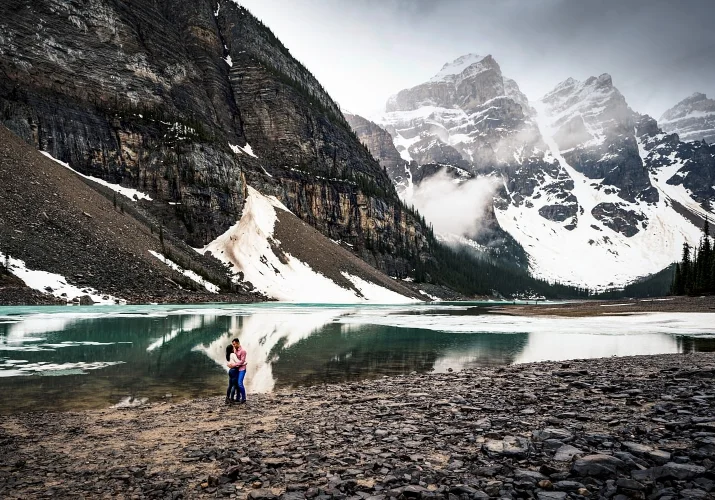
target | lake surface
[{"x": 61, "y": 358}]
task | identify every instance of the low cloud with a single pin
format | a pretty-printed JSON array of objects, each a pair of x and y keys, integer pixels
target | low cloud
[{"x": 453, "y": 207}]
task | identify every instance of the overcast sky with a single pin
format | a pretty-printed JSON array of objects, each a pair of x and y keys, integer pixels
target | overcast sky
[{"x": 363, "y": 51}]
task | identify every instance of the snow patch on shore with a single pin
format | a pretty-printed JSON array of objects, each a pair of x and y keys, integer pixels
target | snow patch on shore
[{"x": 55, "y": 284}]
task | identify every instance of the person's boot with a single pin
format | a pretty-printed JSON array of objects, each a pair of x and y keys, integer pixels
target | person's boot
[{"x": 228, "y": 401}]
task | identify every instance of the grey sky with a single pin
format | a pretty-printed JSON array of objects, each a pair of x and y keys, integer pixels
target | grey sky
[{"x": 658, "y": 52}]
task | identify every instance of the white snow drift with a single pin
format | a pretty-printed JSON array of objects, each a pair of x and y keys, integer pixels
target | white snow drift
[
  {"x": 55, "y": 284},
  {"x": 247, "y": 247},
  {"x": 186, "y": 272},
  {"x": 130, "y": 193}
]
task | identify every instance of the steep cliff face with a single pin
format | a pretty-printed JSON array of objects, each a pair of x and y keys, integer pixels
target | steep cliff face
[
  {"x": 136, "y": 94},
  {"x": 54, "y": 222},
  {"x": 378, "y": 142},
  {"x": 188, "y": 101},
  {"x": 593, "y": 128}
]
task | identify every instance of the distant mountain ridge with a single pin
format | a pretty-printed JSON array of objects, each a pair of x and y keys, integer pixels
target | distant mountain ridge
[
  {"x": 596, "y": 194},
  {"x": 693, "y": 119}
]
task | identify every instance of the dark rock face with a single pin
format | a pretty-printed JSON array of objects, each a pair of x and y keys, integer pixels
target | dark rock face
[
  {"x": 595, "y": 133},
  {"x": 99, "y": 88},
  {"x": 620, "y": 219},
  {"x": 378, "y": 142},
  {"x": 94, "y": 90},
  {"x": 558, "y": 213},
  {"x": 695, "y": 161},
  {"x": 55, "y": 221}
]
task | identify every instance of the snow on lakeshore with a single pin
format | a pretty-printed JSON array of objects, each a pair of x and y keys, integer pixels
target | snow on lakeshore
[
  {"x": 249, "y": 247},
  {"x": 55, "y": 284},
  {"x": 186, "y": 272},
  {"x": 132, "y": 194}
]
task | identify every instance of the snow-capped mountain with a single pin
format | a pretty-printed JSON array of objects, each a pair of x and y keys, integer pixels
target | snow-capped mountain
[
  {"x": 596, "y": 194},
  {"x": 459, "y": 116},
  {"x": 693, "y": 119},
  {"x": 619, "y": 220}
]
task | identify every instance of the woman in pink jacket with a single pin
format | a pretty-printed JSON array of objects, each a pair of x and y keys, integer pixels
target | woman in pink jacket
[{"x": 240, "y": 364}]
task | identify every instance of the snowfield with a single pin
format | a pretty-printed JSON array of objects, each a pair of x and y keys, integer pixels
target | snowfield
[
  {"x": 55, "y": 284},
  {"x": 592, "y": 254}
]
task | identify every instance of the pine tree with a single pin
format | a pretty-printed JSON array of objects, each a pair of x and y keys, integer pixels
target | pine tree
[
  {"x": 706, "y": 256},
  {"x": 695, "y": 274},
  {"x": 677, "y": 287},
  {"x": 685, "y": 269}
]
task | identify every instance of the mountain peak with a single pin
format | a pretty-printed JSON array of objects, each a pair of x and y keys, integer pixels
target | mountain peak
[
  {"x": 694, "y": 97},
  {"x": 454, "y": 68},
  {"x": 605, "y": 80},
  {"x": 693, "y": 118}
]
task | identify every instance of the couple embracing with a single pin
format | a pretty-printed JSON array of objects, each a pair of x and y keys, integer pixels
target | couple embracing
[{"x": 236, "y": 362}]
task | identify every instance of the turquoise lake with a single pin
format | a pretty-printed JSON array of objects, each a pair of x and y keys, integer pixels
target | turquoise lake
[{"x": 64, "y": 358}]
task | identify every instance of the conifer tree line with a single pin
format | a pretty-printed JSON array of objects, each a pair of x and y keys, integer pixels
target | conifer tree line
[{"x": 695, "y": 273}]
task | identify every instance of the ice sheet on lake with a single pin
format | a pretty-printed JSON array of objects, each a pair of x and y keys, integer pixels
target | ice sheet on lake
[
  {"x": 48, "y": 369},
  {"x": 669, "y": 323}
]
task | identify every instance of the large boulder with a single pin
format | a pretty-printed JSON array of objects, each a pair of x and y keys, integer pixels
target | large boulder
[{"x": 601, "y": 466}]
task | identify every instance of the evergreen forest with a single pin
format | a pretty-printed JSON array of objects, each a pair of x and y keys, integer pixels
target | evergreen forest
[{"x": 695, "y": 273}]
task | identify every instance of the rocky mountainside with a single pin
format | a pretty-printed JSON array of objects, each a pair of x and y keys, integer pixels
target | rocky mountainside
[
  {"x": 596, "y": 194},
  {"x": 63, "y": 237},
  {"x": 379, "y": 142},
  {"x": 693, "y": 119},
  {"x": 191, "y": 102}
]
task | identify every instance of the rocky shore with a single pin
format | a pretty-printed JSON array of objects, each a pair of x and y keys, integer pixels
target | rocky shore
[
  {"x": 636, "y": 427},
  {"x": 702, "y": 304}
]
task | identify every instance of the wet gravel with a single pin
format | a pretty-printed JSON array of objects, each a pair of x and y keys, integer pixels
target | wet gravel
[{"x": 637, "y": 427}]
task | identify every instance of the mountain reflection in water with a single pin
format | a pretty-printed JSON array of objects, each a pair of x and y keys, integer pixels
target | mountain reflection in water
[{"x": 72, "y": 358}]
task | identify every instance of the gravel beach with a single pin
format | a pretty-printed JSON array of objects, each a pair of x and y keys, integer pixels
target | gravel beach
[{"x": 636, "y": 427}]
